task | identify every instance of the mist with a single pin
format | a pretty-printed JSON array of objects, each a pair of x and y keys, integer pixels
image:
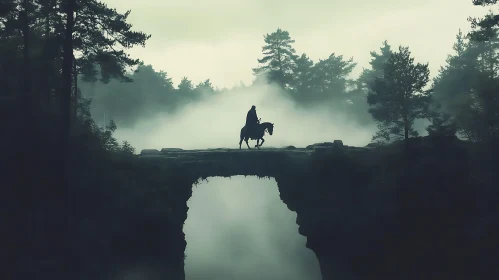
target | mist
[
  {"x": 216, "y": 121},
  {"x": 239, "y": 228}
]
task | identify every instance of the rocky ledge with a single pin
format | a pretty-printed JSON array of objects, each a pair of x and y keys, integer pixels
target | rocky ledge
[{"x": 180, "y": 153}]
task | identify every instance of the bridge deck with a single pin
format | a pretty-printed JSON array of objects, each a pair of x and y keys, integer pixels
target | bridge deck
[
  {"x": 220, "y": 153},
  {"x": 229, "y": 162}
]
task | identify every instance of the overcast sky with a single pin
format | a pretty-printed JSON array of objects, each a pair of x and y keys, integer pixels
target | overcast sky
[{"x": 221, "y": 39}]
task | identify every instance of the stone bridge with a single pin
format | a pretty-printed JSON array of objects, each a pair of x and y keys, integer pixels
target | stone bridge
[
  {"x": 264, "y": 162},
  {"x": 290, "y": 166},
  {"x": 367, "y": 213}
]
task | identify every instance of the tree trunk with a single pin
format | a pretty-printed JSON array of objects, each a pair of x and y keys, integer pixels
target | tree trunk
[
  {"x": 65, "y": 129},
  {"x": 65, "y": 93},
  {"x": 27, "y": 67},
  {"x": 17, "y": 196},
  {"x": 406, "y": 130},
  {"x": 405, "y": 112},
  {"x": 281, "y": 74},
  {"x": 75, "y": 91},
  {"x": 47, "y": 87}
]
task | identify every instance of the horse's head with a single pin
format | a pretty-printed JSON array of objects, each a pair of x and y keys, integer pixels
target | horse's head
[{"x": 270, "y": 128}]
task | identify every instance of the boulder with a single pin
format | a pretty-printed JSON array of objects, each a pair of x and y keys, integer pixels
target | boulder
[
  {"x": 325, "y": 145},
  {"x": 165, "y": 150},
  {"x": 149, "y": 152},
  {"x": 319, "y": 145}
]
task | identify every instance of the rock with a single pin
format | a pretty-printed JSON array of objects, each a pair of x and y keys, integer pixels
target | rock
[
  {"x": 334, "y": 144},
  {"x": 171, "y": 150},
  {"x": 290, "y": 147},
  {"x": 319, "y": 145},
  {"x": 374, "y": 145},
  {"x": 149, "y": 152}
]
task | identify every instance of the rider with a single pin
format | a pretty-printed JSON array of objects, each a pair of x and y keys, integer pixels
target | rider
[{"x": 251, "y": 120}]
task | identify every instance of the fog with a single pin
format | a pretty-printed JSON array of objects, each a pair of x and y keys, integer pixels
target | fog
[
  {"x": 239, "y": 228},
  {"x": 215, "y": 122}
]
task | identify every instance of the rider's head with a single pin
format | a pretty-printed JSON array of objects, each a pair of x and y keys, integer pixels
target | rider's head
[{"x": 253, "y": 107}]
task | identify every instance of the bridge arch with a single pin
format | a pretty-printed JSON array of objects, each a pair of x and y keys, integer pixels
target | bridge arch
[{"x": 291, "y": 168}]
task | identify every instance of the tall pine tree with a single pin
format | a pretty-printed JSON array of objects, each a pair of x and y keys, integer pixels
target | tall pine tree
[
  {"x": 485, "y": 97},
  {"x": 377, "y": 63},
  {"x": 398, "y": 98},
  {"x": 329, "y": 79},
  {"x": 278, "y": 60}
]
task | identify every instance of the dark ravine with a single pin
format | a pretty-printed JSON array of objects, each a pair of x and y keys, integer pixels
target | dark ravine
[{"x": 422, "y": 211}]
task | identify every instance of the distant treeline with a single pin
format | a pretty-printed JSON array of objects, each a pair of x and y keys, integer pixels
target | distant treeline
[
  {"x": 144, "y": 95},
  {"x": 393, "y": 91}
]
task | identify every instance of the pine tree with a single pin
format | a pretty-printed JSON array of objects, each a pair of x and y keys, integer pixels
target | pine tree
[
  {"x": 278, "y": 58},
  {"x": 204, "y": 87},
  {"x": 303, "y": 77},
  {"x": 378, "y": 61},
  {"x": 398, "y": 98},
  {"x": 359, "y": 88},
  {"x": 483, "y": 28},
  {"x": 329, "y": 79},
  {"x": 185, "y": 86}
]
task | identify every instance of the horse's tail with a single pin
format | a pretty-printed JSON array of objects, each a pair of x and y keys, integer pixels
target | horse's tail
[{"x": 241, "y": 134}]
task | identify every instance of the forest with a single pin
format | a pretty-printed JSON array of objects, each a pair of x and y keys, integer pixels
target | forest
[
  {"x": 393, "y": 93},
  {"x": 67, "y": 83}
]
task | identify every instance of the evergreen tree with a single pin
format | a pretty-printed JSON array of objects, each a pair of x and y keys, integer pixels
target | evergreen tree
[
  {"x": 303, "y": 77},
  {"x": 357, "y": 95},
  {"x": 398, "y": 98},
  {"x": 101, "y": 34},
  {"x": 453, "y": 85},
  {"x": 484, "y": 109},
  {"x": 278, "y": 60},
  {"x": 205, "y": 87},
  {"x": 465, "y": 90},
  {"x": 329, "y": 79},
  {"x": 185, "y": 86},
  {"x": 378, "y": 61},
  {"x": 483, "y": 28},
  {"x": 150, "y": 92}
]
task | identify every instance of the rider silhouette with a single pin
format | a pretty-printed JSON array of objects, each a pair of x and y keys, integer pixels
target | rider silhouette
[{"x": 251, "y": 120}]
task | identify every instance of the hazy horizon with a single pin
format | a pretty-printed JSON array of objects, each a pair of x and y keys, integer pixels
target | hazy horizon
[
  {"x": 221, "y": 40},
  {"x": 215, "y": 122}
]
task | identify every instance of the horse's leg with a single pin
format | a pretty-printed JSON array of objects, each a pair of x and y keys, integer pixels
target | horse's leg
[
  {"x": 246, "y": 140},
  {"x": 257, "y": 142},
  {"x": 241, "y": 137},
  {"x": 263, "y": 140}
]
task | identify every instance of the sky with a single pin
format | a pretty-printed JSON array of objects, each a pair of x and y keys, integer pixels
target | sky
[
  {"x": 222, "y": 39},
  {"x": 239, "y": 228}
]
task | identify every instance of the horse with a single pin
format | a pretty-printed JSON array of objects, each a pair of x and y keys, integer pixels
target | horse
[{"x": 257, "y": 135}]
